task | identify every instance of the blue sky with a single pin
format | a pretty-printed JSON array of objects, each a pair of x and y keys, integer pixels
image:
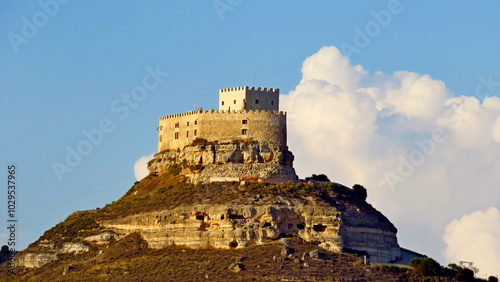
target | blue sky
[{"x": 63, "y": 77}]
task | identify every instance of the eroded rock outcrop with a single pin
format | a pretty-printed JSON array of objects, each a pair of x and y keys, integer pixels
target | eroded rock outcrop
[
  {"x": 47, "y": 250},
  {"x": 237, "y": 226},
  {"x": 250, "y": 160},
  {"x": 34, "y": 260}
]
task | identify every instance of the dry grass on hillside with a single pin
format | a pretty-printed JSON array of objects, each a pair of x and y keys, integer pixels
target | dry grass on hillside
[{"x": 130, "y": 260}]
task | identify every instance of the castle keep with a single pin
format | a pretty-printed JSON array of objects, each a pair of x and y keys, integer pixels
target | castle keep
[{"x": 244, "y": 139}]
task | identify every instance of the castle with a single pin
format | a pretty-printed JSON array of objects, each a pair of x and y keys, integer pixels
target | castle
[
  {"x": 247, "y": 135},
  {"x": 245, "y": 140},
  {"x": 245, "y": 113}
]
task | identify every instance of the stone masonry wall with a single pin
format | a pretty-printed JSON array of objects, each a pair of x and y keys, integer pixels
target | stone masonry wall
[
  {"x": 179, "y": 130},
  {"x": 249, "y": 98}
]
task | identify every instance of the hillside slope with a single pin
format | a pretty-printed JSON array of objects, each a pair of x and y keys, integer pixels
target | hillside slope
[{"x": 120, "y": 241}]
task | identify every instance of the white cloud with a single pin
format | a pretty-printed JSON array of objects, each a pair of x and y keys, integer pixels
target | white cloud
[
  {"x": 475, "y": 237},
  {"x": 141, "y": 167},
  {"x": 362, "y": 127},
  {"x": 495, "y": 131}
]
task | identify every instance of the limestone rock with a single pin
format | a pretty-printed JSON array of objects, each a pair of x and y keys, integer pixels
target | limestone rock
[
  {"x": 103, "y": 238},
  {"x": 67, "y": 269},
  {"x": 285, "y": 251},
  {"x": 74, "y": 248},
  {"x": 259, "y": 160},
  {"x": 236, "y": 267},
  {"x": 241, "y": 225},
  {"x": 32, "y": 260}
]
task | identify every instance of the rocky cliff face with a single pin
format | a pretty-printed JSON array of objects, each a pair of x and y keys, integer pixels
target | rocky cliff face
[
  {"x": 238, "y": 226},
  {"x": 238, "y": 160}
]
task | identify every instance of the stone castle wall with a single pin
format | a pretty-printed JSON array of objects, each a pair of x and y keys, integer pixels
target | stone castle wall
[{"x": 179, "y": 130}]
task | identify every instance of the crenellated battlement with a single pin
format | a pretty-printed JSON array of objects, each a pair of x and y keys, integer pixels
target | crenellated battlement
[
  {"x": 253, "y": 89},
  {"x": 196, "y": 112},
  {"x": 249, "y": 98}
]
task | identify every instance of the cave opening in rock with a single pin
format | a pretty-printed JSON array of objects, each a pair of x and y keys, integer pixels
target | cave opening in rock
[
  {"x": 200, "y": 217},
  {"x": 319, "y": 228},
  {"x": 301, "y": 226},
  {"x": 236, "y": 216},
  {"x": 233, "y": 244},
  {"x": 267, "y": 224}
]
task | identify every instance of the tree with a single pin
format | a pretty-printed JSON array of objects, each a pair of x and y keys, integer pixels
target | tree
[
  {"x": 425, "y": 266},
  {"x": 320, "y": 178},
  {"x": 361, "y": 191},
  {"x": 463, "y": 272}
]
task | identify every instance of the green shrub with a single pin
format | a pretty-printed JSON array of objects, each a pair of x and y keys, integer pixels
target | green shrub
[
  {"x": 361, "y": 191},
  {"x": 195, "y": 168},
  {"x": 425, "y": 266},
  {"x": 200, "y": 141},
  {"x": 390, "y": 269},
  {"x": 320, "y": 177},
  {"x": 151, "y": 161},
  {"x": 174, "y": 169},
  {"x": 465, "y": 274}
]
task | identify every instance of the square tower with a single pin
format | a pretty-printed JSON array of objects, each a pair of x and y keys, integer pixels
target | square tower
[{"x": 249, "y": 98}]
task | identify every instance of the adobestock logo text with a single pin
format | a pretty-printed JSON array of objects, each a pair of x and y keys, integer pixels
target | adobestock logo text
[{"x": 39, "y": 19}]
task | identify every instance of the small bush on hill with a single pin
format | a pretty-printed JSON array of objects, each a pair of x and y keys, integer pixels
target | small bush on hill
[
  {"x": 425, "y": 266},
  {"x": 320, "y": 178},
  {"x": 200, "y": 141},
  {"x": 361, "y": 191},
  {"x": 174, "y": 169}
]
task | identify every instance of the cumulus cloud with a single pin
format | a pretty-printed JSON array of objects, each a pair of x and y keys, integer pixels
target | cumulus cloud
[
  {"x": 425, "y": 154},
  {"x": 141, "y": 167},
  {"x": 475, "y": 237}
]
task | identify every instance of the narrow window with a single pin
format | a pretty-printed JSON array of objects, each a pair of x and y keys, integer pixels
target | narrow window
[
  {"x": 272, "y": 103},
  {"x": 235, "y": 101},
  {"x": 187, "y": 134},
  {"x": 195, "y": 132},
  {"x": 176, "y": 125},
  {"x": 187, "y": 123},
  {"x": 244, "y": 132},
  {"x": 196, "y": 122},
  {"x": 245, "y": 121},
  {"x": 160, "y": 138},
  {"x": 257, "y": 101},
  {"x": 161, "y": 127},
  {"x": 223, "y": 103},
  {"x": 176, "y": 136}
]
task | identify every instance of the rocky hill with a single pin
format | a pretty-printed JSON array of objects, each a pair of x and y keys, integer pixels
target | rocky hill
[{"x": 166, "y": 229}]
